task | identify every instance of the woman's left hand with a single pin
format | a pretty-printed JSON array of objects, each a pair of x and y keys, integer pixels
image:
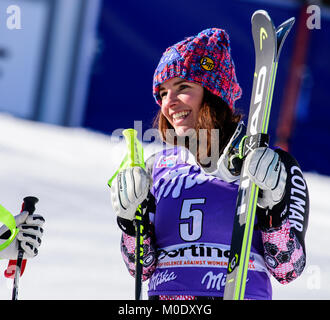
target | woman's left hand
[{"x": 265, "y": 169}]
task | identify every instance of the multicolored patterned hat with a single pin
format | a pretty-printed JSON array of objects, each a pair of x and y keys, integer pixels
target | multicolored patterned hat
[{"x": 203, "y": 59}]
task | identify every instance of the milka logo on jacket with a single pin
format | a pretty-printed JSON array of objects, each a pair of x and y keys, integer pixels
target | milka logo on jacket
[
  {"x": 173, "y": 181},
  {"x": 213, "y": 281},
  {"x": 160, "y": 278}
]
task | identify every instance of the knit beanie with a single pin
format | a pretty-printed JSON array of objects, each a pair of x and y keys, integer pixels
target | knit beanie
[{"x": 204, "y": 59}]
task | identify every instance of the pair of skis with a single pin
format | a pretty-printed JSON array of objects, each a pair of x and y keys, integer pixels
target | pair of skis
[{"x": 268, "y": 42}]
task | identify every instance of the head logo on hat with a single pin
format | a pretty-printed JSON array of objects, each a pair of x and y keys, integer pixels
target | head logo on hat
[
  {"x": 204, "y": 59},
  {"x": 168, "y": 58},
  {"x": 207, "y": 63}
]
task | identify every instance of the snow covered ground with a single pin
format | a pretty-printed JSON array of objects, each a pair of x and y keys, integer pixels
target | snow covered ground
[{"x": 68, "y": 169}]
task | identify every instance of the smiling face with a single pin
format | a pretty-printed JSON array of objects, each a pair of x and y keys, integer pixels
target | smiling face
[{"x": 180, "y": 103}]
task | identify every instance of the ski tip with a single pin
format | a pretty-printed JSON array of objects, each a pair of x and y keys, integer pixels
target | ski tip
[
  {"x": 261, "y": 12},
  {"x": 292, "y": 20},
  {"x": 282, "y": 32},
  {"x": 286, "y": 24}
]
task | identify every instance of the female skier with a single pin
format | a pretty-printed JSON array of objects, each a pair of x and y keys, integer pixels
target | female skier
[{"x": 191, "y": 188}]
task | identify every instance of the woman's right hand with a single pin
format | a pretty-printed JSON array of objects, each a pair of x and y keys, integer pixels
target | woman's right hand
[
  {"x": 129, "y": 189},
  {"x": 29, "y": 236}
]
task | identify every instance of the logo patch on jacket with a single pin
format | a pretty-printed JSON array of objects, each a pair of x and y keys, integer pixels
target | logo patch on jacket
[{"x": 166, "y": 162}]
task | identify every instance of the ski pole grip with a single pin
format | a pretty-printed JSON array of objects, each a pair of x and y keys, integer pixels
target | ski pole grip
[{"x": 29, "y": 204}]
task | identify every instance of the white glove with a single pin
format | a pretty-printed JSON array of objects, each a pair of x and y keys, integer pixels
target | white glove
[
  {"x": 29, "y": 236},
  {"x": 129, "y": 189},
  {"x": 265, "y": 169}
]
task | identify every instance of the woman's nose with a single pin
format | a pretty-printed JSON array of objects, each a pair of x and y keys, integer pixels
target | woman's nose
[{"x": 171, "y": 99}]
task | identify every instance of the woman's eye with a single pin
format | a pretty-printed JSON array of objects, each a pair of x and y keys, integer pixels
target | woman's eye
[
  {"x": 183, "y": 86},
  {"x": 162, "y": 94}
]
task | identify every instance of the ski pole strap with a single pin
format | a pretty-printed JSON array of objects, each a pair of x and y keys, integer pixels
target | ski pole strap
[
  {"x": 9, "y": 221},
  {"x": 249, "y": 143},
  {"x": 123, "y": 165}
]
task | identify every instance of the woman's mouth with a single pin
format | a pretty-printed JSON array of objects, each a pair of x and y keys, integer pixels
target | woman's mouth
[{"x": 179, "y": 116}]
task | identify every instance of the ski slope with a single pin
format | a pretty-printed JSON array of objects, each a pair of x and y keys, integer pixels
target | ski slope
[{"x": 68, "y": 170}]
